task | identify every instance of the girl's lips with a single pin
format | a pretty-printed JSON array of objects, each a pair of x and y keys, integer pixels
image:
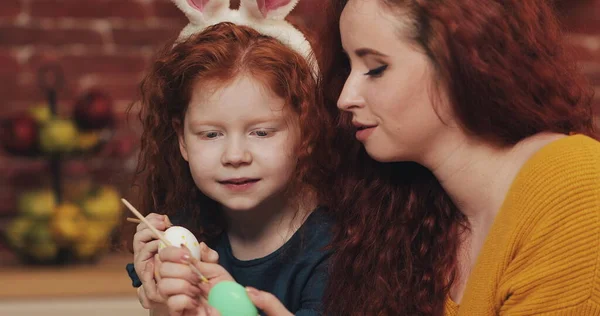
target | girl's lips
[
  {"x": 239, "y": 185},
  {"x": 238, "y": 181}
]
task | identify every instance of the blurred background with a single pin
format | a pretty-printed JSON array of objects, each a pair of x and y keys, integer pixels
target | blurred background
[{"x": 69, "y": 69}]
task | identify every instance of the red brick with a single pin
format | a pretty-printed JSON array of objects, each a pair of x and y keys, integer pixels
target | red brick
[
  {"x": 88, "y": 9},
  {"x": 8, "y": 64},
  {"x": 11, "y": 90},
  {"x": 10, "y": 8},
  {"x": 17, "y": 36},
  {"x": 166, "y": 9},
  {"x": 592, "y": 72},
  {"x": 145, "y": 36},
  {"x": 76, "y": 66},
  {"x": 124, "y": 88},
  {"x": 581, "y": 16},
  {"x": 583, "y": 52}
]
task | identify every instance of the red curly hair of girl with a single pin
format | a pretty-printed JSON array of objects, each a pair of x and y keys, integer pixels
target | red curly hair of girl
[
  {"x": 508, "y": 76},
  {"x": 217, "y": 55}
]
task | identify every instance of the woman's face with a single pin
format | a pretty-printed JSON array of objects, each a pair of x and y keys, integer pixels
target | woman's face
[{"x": 389, "y": 90}]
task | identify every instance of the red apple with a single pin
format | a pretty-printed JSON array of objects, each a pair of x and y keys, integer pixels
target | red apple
[
  {"x": 94, "y": 110},
  {"x": 20, "y": 134}
]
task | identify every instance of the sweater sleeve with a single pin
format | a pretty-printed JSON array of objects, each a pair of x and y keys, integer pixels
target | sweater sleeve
[{"x": 555, "y": 269}]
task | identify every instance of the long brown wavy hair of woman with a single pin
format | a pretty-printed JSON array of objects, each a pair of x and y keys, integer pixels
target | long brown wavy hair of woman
[
  {"x": 217, "y": 55},
  {"x": 508, "y": 76}
]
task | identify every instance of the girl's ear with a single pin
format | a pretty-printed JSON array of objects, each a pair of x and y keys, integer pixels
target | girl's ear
[
  {"x": 267, "y": 9},
  {"x": 178, "y": 127},
  {"x": 199, "y": 12}
]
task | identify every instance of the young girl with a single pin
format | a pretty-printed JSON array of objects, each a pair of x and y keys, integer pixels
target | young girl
[{"x": 226, "y": 150}]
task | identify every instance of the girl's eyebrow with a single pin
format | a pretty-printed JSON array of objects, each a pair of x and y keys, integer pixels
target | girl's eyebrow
[{"x": 253, "y": 121}]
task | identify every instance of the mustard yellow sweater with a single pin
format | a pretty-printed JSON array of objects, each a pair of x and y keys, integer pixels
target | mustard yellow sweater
[{"x": 542, "y": 255}]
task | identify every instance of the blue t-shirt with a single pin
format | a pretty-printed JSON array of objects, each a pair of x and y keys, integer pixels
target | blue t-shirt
[{"x": 296, "y": 273}]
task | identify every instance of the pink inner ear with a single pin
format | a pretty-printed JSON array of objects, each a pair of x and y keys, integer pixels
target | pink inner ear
[
  {"x": 265, "y": 6},
  {"x": 198, "y": 4}
]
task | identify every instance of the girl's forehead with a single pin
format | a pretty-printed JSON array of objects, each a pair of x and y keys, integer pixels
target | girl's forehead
[{"x": 241, "y": 99}]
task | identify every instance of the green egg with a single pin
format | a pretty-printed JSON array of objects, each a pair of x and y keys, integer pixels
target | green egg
[{"x": 231, "y": 299}]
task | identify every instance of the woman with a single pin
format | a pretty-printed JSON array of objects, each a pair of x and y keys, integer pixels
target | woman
[{"x": 480, "y": 194}]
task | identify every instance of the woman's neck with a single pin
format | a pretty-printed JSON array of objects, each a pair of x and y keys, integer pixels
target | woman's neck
[
  {"x": 258, "y": 232},
  {"x": 478, "y": 176}
]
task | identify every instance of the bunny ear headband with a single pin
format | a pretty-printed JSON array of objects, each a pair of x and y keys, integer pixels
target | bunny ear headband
[{"x": 265, "y": 16}]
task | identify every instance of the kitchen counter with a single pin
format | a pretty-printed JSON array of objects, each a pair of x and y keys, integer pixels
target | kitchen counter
[
  {"x": 107, "y": 277},
  {"x": 84, "y": 289}
]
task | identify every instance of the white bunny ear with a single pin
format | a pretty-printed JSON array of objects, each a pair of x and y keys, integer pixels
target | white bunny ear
[
  {"x": 268, "y": 9},
  {"x": 199, "y": 12}
]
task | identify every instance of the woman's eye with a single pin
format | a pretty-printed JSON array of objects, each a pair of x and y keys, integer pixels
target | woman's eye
[{"x": 377, "y": 72}]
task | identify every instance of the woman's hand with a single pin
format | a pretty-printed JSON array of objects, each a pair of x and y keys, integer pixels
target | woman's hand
[{"x": 182, "y": 288}]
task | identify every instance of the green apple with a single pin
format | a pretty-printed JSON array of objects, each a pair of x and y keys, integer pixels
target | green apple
[
  {"x": 16, "y": 231},
  {"x": 37, "y": 204},
  {"x": 39, "y": 242},
  {"x": 93, "y": 241},
  {"x": 103, "y": 203},
  {"x": 68, "y": 223},
  {"x": 41, "y": 112},
  {"x": 87, "y": 140},
  {"x": 58, "y": 135}
]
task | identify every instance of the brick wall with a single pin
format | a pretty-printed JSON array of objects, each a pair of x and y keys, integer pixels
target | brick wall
[
  {"x": 103, "y": 44},
  {"x": 581, "y": 19},
  {"x": 108, "y": 43}
]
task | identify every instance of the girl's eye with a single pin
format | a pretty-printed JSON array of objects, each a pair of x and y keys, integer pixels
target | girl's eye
[
  {"x": 209, "y": 135},
  {"x": 262, "y": 133},
  {"x": 377, "y": 72}
]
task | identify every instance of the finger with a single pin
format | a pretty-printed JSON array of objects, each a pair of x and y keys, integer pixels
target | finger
[
  {"x": 152, "y": 218},
  {"x": 207, "y": 254},
  {"x": 211, "y": 311},
  {"x": 213, "y": 271},
  {"x": 168, "y": 221},
  {"x": 142, "y": 237},
  {"x": 142, "y": 298},
  {"x": 178, "y": 271},
  {"x": 157, "y": 265},
  {"x": 156, "y": 220},
  {"x": 267, "y": 302},
  {"x": 168, "y": 287},
  {"x": 147, "y": 275},
  {"x": 149, "y": 284},
  {"x": 147, "y": 251},
  {"x": 175, "y": 254},
  {"x": 178, "y": 304}
]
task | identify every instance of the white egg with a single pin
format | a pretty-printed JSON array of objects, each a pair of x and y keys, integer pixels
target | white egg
[{"x": 178, "y": 235}]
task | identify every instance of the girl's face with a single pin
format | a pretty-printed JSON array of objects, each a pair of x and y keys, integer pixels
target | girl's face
[
  {"x": 239, "y": 140},
  {"x": 390, "y": 85}
]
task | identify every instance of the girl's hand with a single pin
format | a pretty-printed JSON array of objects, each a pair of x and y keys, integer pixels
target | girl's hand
[
  {"x": 264, "y": 301},
  {"x": 145, "y": 247},
  {"x": 148, "y": 293},
  {"x": 181, "y": 286},
  {"x": 267, "y": 302}
]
